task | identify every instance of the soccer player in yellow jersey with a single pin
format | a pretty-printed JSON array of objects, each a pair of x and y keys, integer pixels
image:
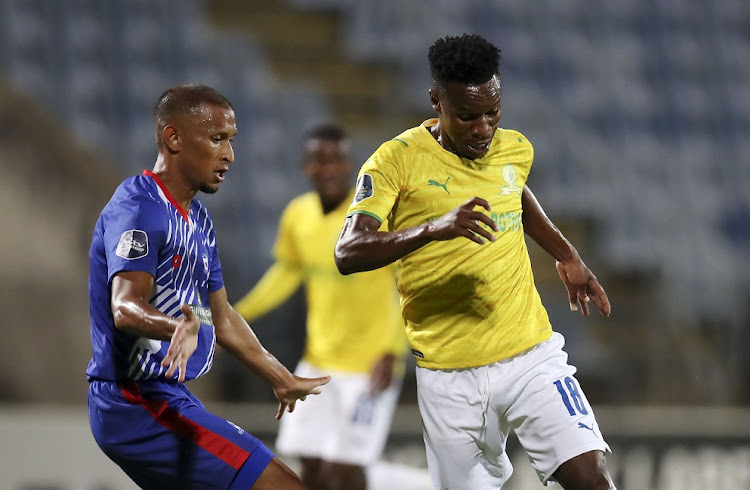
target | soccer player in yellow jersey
[
  {"x": 453, "y": 193},
  {"x": 354, "y": 330}
]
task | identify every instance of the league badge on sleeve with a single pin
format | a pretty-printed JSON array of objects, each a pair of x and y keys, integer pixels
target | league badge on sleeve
[
  {"x": 133, "y": 244},
  {"x": 364, "y": 188}
]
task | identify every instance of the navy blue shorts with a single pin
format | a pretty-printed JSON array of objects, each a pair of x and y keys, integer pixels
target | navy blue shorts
[{"x": 161, "y": 435}]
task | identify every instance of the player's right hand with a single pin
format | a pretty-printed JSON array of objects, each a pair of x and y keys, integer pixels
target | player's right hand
[
  {"x": 464, "y": 221},
  {"x": 582, "y": 287},
  {"x": 297, "y": 389},
  {"x": 182, "y": 345}
]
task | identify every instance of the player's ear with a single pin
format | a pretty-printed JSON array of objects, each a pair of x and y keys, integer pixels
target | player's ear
[
  {"x": 171, "y": 139},
  {"x": 435, "y": 100}
]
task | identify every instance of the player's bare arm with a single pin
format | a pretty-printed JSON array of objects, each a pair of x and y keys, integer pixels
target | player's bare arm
[
  {"x": 361, "y": 247},
  {"x": 235, "y": 335},
  {"x": 278, "y": 283},
  {"x": 580, "y": 283},
  {"x": 134, "y": 314}
]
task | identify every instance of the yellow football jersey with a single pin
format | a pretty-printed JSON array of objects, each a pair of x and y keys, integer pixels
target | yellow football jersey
[
  {"x": 352, "y": 320},
  {"x": 464, "y": 304}
]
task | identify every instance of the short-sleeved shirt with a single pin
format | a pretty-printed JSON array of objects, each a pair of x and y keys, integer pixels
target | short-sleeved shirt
[
  {"x": 143, "y": 228},
  {"x": 464, "y": 304},
  {"x": 352, "y": 320}
]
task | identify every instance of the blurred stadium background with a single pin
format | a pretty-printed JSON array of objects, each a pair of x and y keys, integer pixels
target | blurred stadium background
[{"x": 639, "y": 111}]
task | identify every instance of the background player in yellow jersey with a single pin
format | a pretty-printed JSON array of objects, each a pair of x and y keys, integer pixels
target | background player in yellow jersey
[
  {"x": 354, "y": 331},
  {"x": 454, "y": 196}
]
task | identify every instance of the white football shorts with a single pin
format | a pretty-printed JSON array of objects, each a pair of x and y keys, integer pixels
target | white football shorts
[
  {"x": 344, "y": 423},
  {"x": 467, "y": 415}
]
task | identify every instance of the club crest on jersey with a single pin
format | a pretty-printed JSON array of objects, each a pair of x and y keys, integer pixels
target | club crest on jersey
[
  {"x": 510, "y": 177},
  {"x": 205, "y": 263},
  {"x": 364, "y": 188},
  {"x": 133, "y": 244}
]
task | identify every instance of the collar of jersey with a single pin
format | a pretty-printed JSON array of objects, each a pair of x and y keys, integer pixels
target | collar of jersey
[{"x": 164, "y": 189}]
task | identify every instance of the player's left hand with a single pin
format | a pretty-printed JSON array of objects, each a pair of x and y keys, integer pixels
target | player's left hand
[
  {"x": 182, "y": 345},
  {"x": 582, "y": 287},
  {"x": 297, "y": 389},
  {"x": 382, "y": 374}
]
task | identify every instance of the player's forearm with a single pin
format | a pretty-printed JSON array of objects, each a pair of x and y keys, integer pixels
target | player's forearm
[
  {"x": 142, "y": 319},
  {"x": 358, "y": 251},
  {"x": 540, "y": 228},
  {"x": 236, "y": 336},
  {"x": 275, "y": 287}
]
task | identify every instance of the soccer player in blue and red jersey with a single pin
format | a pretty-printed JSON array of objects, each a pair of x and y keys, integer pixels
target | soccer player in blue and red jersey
[{"x": 158, "y": 307}]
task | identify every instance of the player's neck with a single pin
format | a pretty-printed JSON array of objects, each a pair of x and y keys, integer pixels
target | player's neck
[
  {"x": 444, "y": 142},
  {"x": 435, "y": 130},
  {"x": 179, "y": 190},
  {"x": 329, "y": 204}
]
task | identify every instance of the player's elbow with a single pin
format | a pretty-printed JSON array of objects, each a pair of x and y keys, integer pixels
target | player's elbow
[
  {"x": 350, "y": 252},
  {"x": 344, "y": 270},
  {"x": 122, "y": 316},
  {"x": 343, "y": 260},
  {"x": 347, "y": 256}
]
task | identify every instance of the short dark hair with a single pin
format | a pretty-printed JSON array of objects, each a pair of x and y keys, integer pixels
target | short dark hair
[
  {"x": 182, "y": 100},
  {"x": 469, "y": 59},
  {"x": 326, "y": 131}
]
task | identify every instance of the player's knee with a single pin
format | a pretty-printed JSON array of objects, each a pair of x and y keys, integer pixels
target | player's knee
[
  {"x": 343, "y": 477},
  {"x": 585, "y": 472},
  {"x": 597, "y": 482},
  {"x": 310, "y": 472}
]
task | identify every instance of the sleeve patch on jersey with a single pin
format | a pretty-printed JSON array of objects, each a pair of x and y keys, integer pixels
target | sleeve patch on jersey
[
  {"x": 133, "y": 244},
  {"x": 364, "y": 188}
]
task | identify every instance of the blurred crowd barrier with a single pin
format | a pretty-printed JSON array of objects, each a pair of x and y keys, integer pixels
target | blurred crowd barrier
[{"x": 668, "y": 448}]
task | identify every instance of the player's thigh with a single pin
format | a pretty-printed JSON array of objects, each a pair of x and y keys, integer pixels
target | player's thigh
[
  {"x": 551, "y": 415},
  {"x": 454, "y": 409},
  {"x": 229, "y": 444},
  {"x": 275, "y": 476},
  {"x": 162, "y": 437}
]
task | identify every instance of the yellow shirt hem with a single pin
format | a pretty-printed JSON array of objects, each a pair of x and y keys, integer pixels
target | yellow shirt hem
[{"x": 483, "y": 362}]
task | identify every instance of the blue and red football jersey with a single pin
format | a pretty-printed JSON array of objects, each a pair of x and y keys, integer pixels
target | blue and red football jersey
[{"x": 143, "y": 228}]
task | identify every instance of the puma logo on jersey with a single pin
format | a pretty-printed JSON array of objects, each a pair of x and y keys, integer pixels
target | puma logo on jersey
[
  {"x": 438, "y": 184},
  {"x": 581, "y": 425}
]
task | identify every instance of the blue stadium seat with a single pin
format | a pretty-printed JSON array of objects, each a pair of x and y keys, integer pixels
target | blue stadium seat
[{"x": 637, "y": 114}]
